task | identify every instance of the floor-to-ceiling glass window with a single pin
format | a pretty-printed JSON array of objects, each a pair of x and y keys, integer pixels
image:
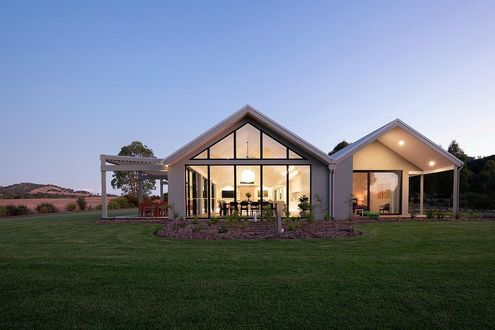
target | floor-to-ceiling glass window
[
  {"x": 248, "y": 181},
  {"x": 359, "y": 192},
  {"x": 275, "y": 184},
  {"x": 222, "y": 189},
  {"x": 385, "y": 192},
  {"x": 299, "y": 185},
  {"x": 377, "y": 191},
  {"x": 197, "y": 191}
]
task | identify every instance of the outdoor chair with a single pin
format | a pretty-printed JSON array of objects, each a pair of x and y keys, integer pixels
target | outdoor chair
[
  {"x": 255, "y": 207},
  {"x": 233, "y": 207}
]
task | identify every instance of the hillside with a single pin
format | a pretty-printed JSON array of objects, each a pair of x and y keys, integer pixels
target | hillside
[{"x": 35, "y": 190}]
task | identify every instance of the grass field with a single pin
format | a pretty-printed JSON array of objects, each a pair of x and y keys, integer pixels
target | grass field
[{"x": 65, "y": 271}]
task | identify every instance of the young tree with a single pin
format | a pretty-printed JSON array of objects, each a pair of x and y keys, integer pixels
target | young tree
[
  {"x": 128, "y": 181},
  {"x": 457, "y": 151},
  {"x": 339, "y": 146}
]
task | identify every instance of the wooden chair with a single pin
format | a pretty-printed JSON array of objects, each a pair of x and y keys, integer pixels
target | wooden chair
[
  {"x": 233, "y": 207},
  {"x": 245, "y": 207},
  {"x": 255, "y": 207}
]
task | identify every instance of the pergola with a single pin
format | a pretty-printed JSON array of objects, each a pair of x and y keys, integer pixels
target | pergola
[{"x": 147, "y": 168}]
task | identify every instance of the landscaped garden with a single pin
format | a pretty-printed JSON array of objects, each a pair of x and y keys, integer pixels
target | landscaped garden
[{"x": 68, "y": 271}]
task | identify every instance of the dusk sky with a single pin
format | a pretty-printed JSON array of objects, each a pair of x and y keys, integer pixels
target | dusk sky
[{"x": 82, "y": 78}]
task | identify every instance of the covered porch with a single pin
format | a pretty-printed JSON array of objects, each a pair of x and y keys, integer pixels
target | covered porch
[{"x": 147, "y": 168}]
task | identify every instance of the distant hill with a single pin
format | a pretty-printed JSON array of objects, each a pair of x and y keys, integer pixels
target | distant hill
[
  {"x": 476, "y": 165},
  {"x": 35, "y": 190}
]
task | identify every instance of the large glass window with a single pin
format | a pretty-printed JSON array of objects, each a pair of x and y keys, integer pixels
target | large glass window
[
  {"x": 197, "y": 191},
  {"x": 359, "y": 191},
  {"x": 299, "y": 185},
  {"x": 222, "y": 189},
  {"x": 244, "y": 189},
  {"x": 385, "y": 192},
  {"x": 275, "y": 184},
  {"x": 273, "y": 149},
  {"x": 223, "y": 149},
  {"x": 247, "y": 142},
  {"x": 377, "y": 191}
]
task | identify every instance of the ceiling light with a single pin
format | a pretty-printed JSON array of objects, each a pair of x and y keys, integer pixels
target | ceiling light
[
  {"x": 431, "y": 163},
  {"x": 401, "y": 143},
  {"x": 247, "y": 177}
]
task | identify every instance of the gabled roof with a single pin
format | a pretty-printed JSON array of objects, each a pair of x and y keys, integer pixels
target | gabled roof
[
  {"x": 399, "y": 128},
  {"x": 216, "y": 131}
]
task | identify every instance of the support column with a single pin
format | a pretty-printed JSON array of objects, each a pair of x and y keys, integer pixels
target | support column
[
  {"x": 421, "y": 193},
  {"x": 140, "y": 188},
  {"x": 104, "y": 208},
  {"x": 331, "y": 190},
  {"x": 455, "y": 191},
  {"x": 161, "y": 190}
]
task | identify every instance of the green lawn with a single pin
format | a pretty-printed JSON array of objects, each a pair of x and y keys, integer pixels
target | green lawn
[{"x": 66, "y": 271}]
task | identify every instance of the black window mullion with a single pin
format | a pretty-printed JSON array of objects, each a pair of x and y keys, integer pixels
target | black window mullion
[
  {"x": 261, "y": 145},
  {"x": 209, "y": 194},
  {"x": 287, "y": 187},
  {"x": 261, "y": 189}
]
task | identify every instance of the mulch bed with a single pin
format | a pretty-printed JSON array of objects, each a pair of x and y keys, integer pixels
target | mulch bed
[{"x": 248, "y": 230}]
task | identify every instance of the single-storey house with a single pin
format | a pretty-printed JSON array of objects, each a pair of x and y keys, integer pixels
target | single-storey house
[{"x": 248, "y": 162}]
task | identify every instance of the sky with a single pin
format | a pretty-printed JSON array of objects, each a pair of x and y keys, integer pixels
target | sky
[{"x": 83, "y": 78}]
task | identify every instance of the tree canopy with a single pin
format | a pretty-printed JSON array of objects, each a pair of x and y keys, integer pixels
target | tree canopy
[
  {"x": 128, "y": 181},
  {"x": 457, "y": 151},
  {"x": 339, "y": 146}
]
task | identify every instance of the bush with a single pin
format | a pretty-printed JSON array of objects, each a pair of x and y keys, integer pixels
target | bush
[
  {"x": 113, "y": 205},
  {"x": 81, "y": 202},
  {"x": 132, "y": 201},
  {"x": 223, "y": 229},
  {"x": 13, "y": 210},
  {"x": 45, "y": 208},
  {"x": 122, "y": 202},
  {"x": 429, "y": 214},
  {"x": 71, "y": 207}
]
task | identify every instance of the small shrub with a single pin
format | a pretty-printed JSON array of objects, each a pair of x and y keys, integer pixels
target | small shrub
[
  {"x": 429, "y": 214},
  {"x": 113, "y": 205},
  {"x": 214, "y": 220},
  {"x": 293, "y": 226},
  {"x": 440, "y": 215},
  {"x": 71, "y": 207},
  {"x": 197, "y": 229},
  {"x": 3, "y": 211},
  {"x": 223, "y": 229},
  {"x": 413, "y": 214},
  {"x": 195, "y": 220},
  {"x": 457, "y": 215},
  {"x": 98, "y": 207},
  {"x": 13, "y": 210},
  {"x": 45, "y": 208},
  {"x": 371, "y": 215},
  {"x": 81, "y": 203}
]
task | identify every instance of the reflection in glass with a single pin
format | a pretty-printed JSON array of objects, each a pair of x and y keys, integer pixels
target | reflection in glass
[
  {"x": 273, "y": 149},
  {"x": 223, "y": 149},
  {"x": 293, "y": 155},
  {"x": 203, "y": 155},
  {"x": 222, "y": 189},
  {"x": 197, "y": 191},
  {"x": 248, "y": 142},
  {"x": 299, "y": 184}
]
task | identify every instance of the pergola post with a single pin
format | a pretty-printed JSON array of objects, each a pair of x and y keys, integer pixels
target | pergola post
[
  {"x": 421, "y": 193},
  {"x": 161, "y": 190},
  {"x": 455, "y": 191},
  {"x": 140, "y": 188},
  {"x": 104, "y": 207}
]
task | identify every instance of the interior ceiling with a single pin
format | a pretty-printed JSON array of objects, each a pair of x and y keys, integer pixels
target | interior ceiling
[{"x": 414, "y": 150}]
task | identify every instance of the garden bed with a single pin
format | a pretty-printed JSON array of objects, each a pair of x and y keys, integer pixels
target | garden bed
[{"x": 246, "y": 229}]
